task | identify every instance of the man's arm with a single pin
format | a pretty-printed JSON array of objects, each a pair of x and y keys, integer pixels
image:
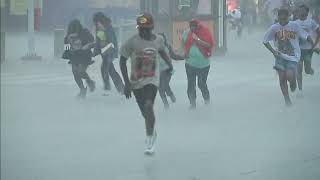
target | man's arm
[
  {"x": 165, "y": 57},
  {"x": 270, "y": 48},
  {"x": 124, "y": 69},
  {"x": 174, "y": 55},
  {"x": 124, "y": 72},
  {"x": 317, "y": 38}
]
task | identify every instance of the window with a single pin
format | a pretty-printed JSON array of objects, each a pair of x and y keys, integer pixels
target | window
[
  {"x": 188, "y": 8},
  {"x": 202, "y": 7}
]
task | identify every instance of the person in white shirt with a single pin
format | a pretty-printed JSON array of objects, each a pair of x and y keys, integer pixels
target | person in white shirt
[
  {"x": 307, "y": 49},
  {"x": 286, "y": 34}
]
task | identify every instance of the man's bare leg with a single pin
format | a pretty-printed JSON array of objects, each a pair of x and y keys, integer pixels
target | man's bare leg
[
  {"x": 284, "y": 87},
  {"x": 149, "y": 117}
]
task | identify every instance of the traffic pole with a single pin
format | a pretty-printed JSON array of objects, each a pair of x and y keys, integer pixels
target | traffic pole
[{"x": 31, "y": 54}]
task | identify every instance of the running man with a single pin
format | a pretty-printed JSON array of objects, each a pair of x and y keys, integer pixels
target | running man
[
  {"x": 285, "y": 34},
  {"x": 198, "y": 44},
  {"x": 78, "y": 43},
  {"x": 311, "y": 27},
  {"x": 165, "y": 76},
  {"x": 143, "y": 49}
]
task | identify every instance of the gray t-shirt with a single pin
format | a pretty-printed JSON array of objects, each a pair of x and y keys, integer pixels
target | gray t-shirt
[
  {"x": 310, "y": 26},
  {"x": 144, "y": 60},
  {"x": 286, "y": 39}
]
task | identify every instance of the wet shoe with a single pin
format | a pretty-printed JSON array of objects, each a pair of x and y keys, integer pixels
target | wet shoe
[
  {"x": 311, "y": 72},
  {"x": 91, "y": 85},
  {"x": 83, "y": 93},
  {"x": 300, "y": 94},
  {"x": 192, "y": 107},
  {"x": 166, "y": 106},
  {"x": 149, "y": 149},
  {"x": 293, "y": 86},
  {"x": 107, "y": 87},
  {"x": 288, "y": 102},
  {"x": 150, "y": 144}
]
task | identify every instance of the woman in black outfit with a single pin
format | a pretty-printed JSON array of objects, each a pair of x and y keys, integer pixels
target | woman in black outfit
[{"x": 79, "y": 42}]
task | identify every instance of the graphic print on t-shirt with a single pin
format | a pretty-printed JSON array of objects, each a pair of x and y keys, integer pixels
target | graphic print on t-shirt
[
  {"x": 283, "y": 38},
  {"x": 145, "y": 65}
]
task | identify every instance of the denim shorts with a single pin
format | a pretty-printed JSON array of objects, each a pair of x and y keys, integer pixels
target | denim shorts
[{"x": 284, "y": 65}]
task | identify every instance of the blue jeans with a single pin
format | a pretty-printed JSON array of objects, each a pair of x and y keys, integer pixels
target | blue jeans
[
  {"x": 284, "y": 65},
  {"x": 107, "y": 69}
]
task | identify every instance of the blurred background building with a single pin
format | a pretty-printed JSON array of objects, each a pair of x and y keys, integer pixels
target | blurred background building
[{"x": 52, "y": 14}]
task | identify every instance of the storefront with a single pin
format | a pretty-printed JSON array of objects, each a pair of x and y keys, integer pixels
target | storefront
[{"x": 172, "y": 18}]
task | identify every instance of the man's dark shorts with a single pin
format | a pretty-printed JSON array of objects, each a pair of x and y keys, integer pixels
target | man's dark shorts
[{"x": 148, "y": 92}]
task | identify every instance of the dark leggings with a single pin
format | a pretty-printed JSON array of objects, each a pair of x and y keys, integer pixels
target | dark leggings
[
  {"x": 80, "y": 72},
  {"x": 164, "y": 88},
  {"x": 202, "y": 75},
  {"x": 107, "y": 69}
]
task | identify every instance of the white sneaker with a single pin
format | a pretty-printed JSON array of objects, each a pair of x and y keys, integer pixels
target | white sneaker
[
  {"x": 149, "y": 147},
  {"x": 300, "y": 94},
  {"x": 150, "y": 142}
]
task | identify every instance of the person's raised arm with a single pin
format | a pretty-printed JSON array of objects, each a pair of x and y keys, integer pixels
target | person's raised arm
[{"x": 201, "y": 42}]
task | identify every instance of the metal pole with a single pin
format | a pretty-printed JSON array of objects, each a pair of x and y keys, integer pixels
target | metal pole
[
  {"x": 31, "y": 54},
  {"x": 31, "y": 46}
]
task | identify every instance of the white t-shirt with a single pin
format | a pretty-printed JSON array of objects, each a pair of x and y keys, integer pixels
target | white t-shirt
[
  {"x": 144, "y": 60},
  {"x": 310, "y": 26},
  {"x": 286, "y": 39}
]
